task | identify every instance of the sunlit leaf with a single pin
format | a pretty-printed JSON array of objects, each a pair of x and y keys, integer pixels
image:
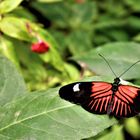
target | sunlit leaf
[
  {"x": 132, "y": 126},
  {"x": 120, "y": 56},
  {"x": 11, "y": 83},
  {"x": 8, "y": 5},
  {"x": 50, "y": 0},
  {"x": 15, "y": 27},
  {"x": 43, "y": 115}
]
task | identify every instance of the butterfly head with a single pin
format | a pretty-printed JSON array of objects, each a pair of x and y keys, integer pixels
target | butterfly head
[{"x": 117, "y": 81}]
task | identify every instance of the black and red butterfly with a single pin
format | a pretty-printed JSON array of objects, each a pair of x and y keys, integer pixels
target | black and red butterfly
[{"x": 115, "y": 98}]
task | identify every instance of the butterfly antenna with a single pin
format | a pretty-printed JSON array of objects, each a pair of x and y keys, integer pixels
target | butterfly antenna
[
  {"x": 129, "y": 68},
  {"x": 108, "y": 64}
]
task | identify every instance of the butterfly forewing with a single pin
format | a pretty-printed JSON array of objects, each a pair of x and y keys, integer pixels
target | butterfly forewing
[
  {"x": 92, "y": 96},
  {"x": 77, "y": 93}
]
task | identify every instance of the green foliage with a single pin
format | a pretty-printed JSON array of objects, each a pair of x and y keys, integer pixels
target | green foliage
[
  {"x": 118, "y": 54},
  {"x": 12, "y": 85},
  {"x": 76, "y": 32},
  {"x": 132, "y": 126},
  {"x": 8, "y": 5},
  {"x": 42, "y": 115}
]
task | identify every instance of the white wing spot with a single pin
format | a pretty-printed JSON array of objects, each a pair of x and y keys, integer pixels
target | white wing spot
[{"x": 76, "y": 87}]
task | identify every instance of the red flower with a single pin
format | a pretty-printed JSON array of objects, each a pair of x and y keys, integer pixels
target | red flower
[
  {"x": 40, "y": 47},
  {"x": 79, "y": 1}
]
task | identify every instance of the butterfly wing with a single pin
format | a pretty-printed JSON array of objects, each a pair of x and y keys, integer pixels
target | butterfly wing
[
  {"x": 126, "y": 101},
  {"x": 92, "y": 96}
]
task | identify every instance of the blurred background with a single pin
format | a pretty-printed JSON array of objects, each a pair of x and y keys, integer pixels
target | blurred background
[{"x": 55, "y": 42}]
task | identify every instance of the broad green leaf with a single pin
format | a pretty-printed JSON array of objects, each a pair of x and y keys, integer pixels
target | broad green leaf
[
  {"x": 116, "y": 133},
  {"x": 133, "y": 4},
  {"x": 15, "y": 27},
  {"x": 49, "y": 0},
  {"x": 58, "y": 13},
  {"x": 65, "y": 14},
  {"x": 8, "y": 5},
  {"x": 11, "y": 83},
  {"x": 120, "y": 55},
  {"x": 82, "y": 18},
  {"x": 22, "y": 12},
  {"x": 134, "y": 23},
  {"x": 132, "y": 126},
  {"x": 43, "y": 115},
  {"x": 77, "y": 40},
  {"x": 7, "y": 48},
  {"x": 30, "y": 60},
  {"x": 72, "y": 72},
  {"x": 137, "y": 38}
]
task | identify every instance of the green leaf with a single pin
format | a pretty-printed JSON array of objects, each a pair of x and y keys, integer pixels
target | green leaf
[
  {"x": 115, "y": 134},
  {"x": 82, "y": 18},
  {"x": 22, "y": 12},
  {"x": 132, "y": 126},
  {"x": 15, "y": 27},
  {"x": 120, "y": 55},
  {"x": 65, "y": 15},
  {"x": 43, "y": 115},
  {"x": 8, "y": 5},
  {"x": 133, "y": 22},
  {"x": 133, "y": 4},
  {"x": 50, "y": 0},
  {"x": 7, "y": 48},
  {"x": 77, "y": 40},
  {"x": 11, "y": 83}
]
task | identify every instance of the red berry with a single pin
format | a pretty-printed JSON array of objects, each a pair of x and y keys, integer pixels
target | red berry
[{"x": 40, "y": 47}]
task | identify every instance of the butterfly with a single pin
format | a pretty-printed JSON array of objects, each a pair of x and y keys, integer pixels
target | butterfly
[{"x": 115, "y": 99}]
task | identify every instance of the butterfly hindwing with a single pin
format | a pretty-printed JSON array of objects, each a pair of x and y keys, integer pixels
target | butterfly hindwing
[{"x": 126, "y": 101}]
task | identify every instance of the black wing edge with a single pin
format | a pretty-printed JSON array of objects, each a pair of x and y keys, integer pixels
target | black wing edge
[{"x": 66, "y": 92}]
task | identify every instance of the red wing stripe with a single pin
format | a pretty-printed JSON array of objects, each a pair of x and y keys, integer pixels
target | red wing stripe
[
  {"x": 103, "y": 94},
  {"x": 121, "y": 97},
  {"x": 94, "y": 104},
  {"x": 100, "y": 92},
  {"x": 121, "y": 108},
  {"x": 129, "y": 109},
  {"x": 117, "y": 109},
  {"x": 102, "y": 103},
  {"x": 115, "y": 103},
  {"x": 100, "y": 86},
  {"x": 125, "y": 109},
  {"x": 90, "y": 102},
  {"x": 129, "y": 89},
  {"x": 99, "y": 100},
  {"x": 121, "y": 91},
  {"x": 107, "y": 101}
]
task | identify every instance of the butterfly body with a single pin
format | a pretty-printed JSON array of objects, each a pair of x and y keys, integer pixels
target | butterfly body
[
  {"x": 114, "y": 89},
  {"x": 104, "y": 98}
]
